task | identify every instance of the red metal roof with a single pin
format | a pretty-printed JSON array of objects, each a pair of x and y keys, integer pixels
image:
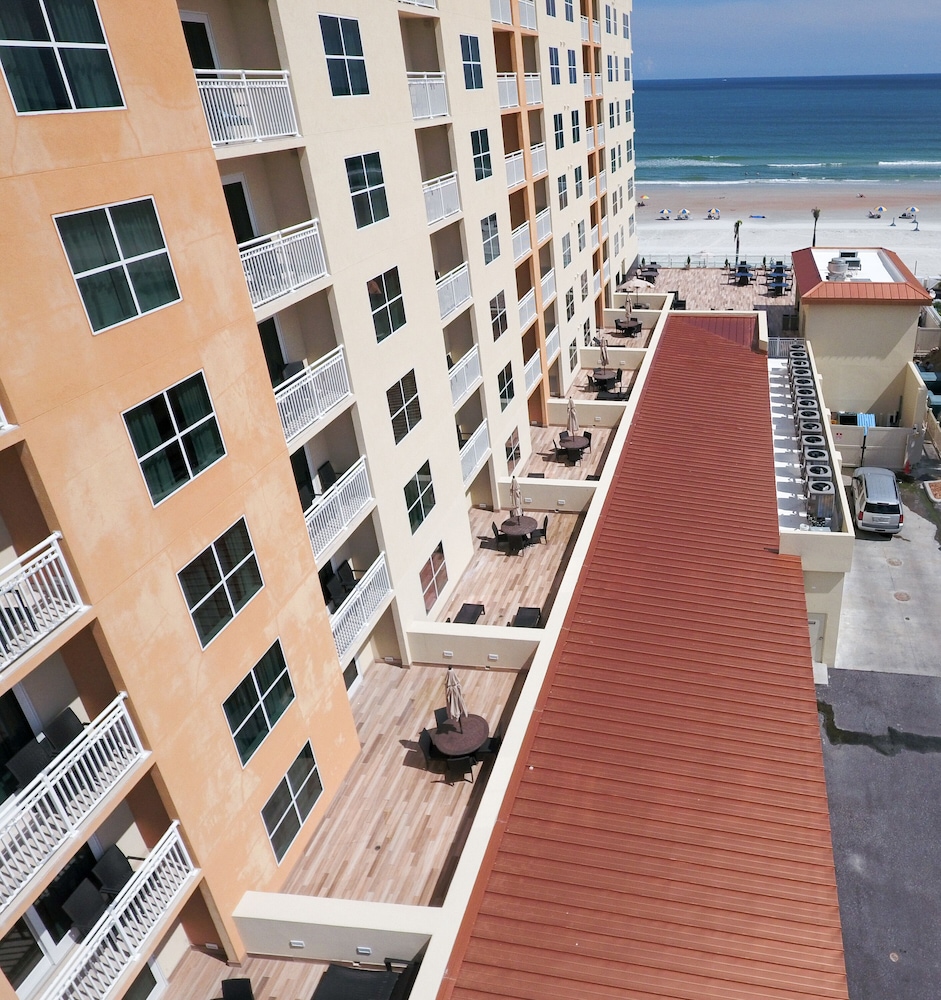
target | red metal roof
[
  {"x": 813, "y": 286},
  {"x": 666, "y": 831}
]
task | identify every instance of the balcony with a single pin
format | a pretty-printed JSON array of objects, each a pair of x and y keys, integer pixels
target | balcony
[
  {"x": 538, "y": 155},
  {"x": 543, "y": 226},
  {"x": 597, "y": 282},
  {"x": 532, "y": 372},
  {"x": 500, "y": 12},
  {"x": 331, "y": 514},
  {"x": 283, "y": 262},
  {"x": 596, "y": 32},
  {"x": 586, "y": 84},
  {"x": 244, "y": 105},
  {"x": 430, "y": 4},
  {"x": 547, "y": 284},
  {"x": 604, "y": 228},
  {"x": 553, "y": 344},
  {"x": 586, "y": 34},
  {"x": 603, "y": 181},
  {"x": 508, "y": 90},
  {"x": 356, "y": 613},
  {"x": 599, "y": 133},
  {"x": 51, "y": 809},
  {"x": 428, "y": 94},
  {"x": 453, "y": 290},
  {"x": 528, "y": 14},
  {"x": 598, "y": 80},
  {"x": 594, "y": 237},
  {"x": 465, "y": 376},
  {"x": 307, "y": 396},
  {"x": 131, "y": 924},
  {"x": 592, "y": 188},
  {"x": 515, "y": 169},
  {"x": 442, "y": 198},
  {"x": 533, "y": 89},
  {"x": 607, "y": 270},
  {"x": 37, "y": 595},
  {"x": 474, "y": 453},
  {"x": 522, "y": 241},
  {"x": 527, "y": 308}
]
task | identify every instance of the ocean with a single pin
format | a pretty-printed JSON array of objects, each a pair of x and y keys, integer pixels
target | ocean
[{"x": 788, "y": 129}]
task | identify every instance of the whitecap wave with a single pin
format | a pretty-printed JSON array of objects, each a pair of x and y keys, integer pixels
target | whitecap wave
[
  {"x": 909, "y": 163},
  {"x": 669, "y": 161}
]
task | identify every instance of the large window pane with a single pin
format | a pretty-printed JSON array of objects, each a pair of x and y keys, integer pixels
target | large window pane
[
  {"x": 91, "y": 78},
  {"x": 107, "y": 297}
]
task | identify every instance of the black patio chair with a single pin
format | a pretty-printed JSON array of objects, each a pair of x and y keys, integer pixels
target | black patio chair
[
  {"x": 527, "y": 618},
  {"x": 237, "y": 989},
  {"x": 459, "y": 767},
  {"x": 29, "y": 761},
  {"x": 500, "y": 537},
  {"x": 540, "y": 533},
  {"x": 112, "y": 871},
  {"x": 347, "y": 575},
  {"x": 85, "y": 906},
  {"x": 490, "y": 747},
  {"x": 326, "y": 475},
  {"x": 587, "y": 434},
  {"x": 336, "y": 591},
  {"x": 429, "y": 751},
  {"x": 63, "y": 729}
]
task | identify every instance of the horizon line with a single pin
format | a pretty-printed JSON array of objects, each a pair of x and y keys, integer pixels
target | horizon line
[{"x": 781, "y": 76}]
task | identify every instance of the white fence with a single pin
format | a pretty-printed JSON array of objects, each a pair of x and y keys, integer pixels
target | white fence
[
  {"x": 528, "y": 14},
  {"x": 522, "y": 241},
  {"x": 508, "y": 90},
  {"x": 429, "y": 95},
  {"x": 543, "y": 225},
  {"x": 453, "y": 290},
  {"x": 538, "y": 154},
  {"x": 464, "y": 376},
  {"x": 337, "y": 508},
  {"x": 244, "y": 105},
  {"x": 553, "y": 344},
  {"x": 356, "y": 612},
  {"x": 441, "y": 198},
  {"x": 122, "y": 936},
  {"x": 532, "y": 371},
  {"x": 283, "y": 262},
  {"x": 533, "y": 88},
  {"x": 515, "y": 168},
  {"x": 40, "y": 818},
  {"x": 37, "y": 594},
  {"x": 475, "y": 450},
  {"x": 527, "y": 308},
  {"x": 307, "y": 396},
  {"x": 500, "y": 11},
  {"x": 547, "y": 283},
  {"x": 590, "y": 137}
]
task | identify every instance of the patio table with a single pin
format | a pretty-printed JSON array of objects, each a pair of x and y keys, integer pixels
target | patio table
[{"x": 461, "y": 737}]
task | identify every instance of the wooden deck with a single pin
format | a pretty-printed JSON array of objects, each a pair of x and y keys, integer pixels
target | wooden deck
[
  {"x": 199, "y": 977},
  {"x": 543, "y": 459},
  {"x": 501, "y": 582}
]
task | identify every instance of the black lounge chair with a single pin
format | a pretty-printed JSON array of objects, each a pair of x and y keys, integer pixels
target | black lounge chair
[
  {"x": 112, "y": 871},
  {"x": 85, "y": 907},
  {"x": 527, "y": 618},
  {"x": 340, "y": 982},
  {"x": 469, "y": 614},
  {"x": 29, "y": 761},
  {"x": 347, "y": 576},
  {"x": 237, "y": 989},
  {"x": 63, "y": 729}
]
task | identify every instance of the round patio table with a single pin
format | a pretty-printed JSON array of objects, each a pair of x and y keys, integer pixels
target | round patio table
[
  {"x": 604, "y": 377},
  {"x": 461, "y": 738},
  {"x": 518, "y": 526}
]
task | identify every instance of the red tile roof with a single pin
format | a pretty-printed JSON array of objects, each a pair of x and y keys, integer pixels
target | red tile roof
[
  {"x": 666, "y": 832},
  {"x": 812, "y": 286}
]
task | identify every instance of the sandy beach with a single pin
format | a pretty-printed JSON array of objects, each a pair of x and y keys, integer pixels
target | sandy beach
[{"x": 776, "y": 219}]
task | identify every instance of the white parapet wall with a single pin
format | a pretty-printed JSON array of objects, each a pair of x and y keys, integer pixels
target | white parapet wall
[{"x": 472, "y": 645}]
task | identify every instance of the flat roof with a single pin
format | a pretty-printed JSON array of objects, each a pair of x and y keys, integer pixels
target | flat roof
[
  {"x": 875, "y": 275},
  {"x": 665, "y": 833}
]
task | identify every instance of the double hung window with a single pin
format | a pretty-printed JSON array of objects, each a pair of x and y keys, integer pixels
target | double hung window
[
  {"x": 576, "y": 127},
  {"x": 579, "y": 186},
  {"x": 220, "y": 581},
  {"x": 470, "y": 56},
  {"x": 563, "y": 191},
  {"x": 55, "y": 56},
  {"x": 404, "y": 407},
  {"x": 119, "y": 258},
  {"x": 367, "y": 189},
  {"x": 505, "y": 386},
  {"x": 258, "y": 702},
  {"x": 433, "y": 577},
  {"x": 566, "y": 250},
  {"x": 175, "y": 436},
  {"x": 490, "y": 237},
  {"x": 343, "y": 48},
  {"x": 555, "y": 73},
  {"x": 419, "y": 496},
  {"x": 558, "y": 127},
  {"x": 386, "y": 303},
  {"x": 573, "y": 67},
  {"x": 291, "y": 802},
  {"x": 480, "y": 146},
  {"x": 498, "y": 318}
]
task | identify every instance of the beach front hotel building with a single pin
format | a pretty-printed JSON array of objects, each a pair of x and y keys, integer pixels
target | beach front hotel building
[{"x": 287, "y": 294}]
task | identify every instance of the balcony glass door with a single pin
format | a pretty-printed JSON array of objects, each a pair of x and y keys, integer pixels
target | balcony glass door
[{"x": 198, "y": 41}]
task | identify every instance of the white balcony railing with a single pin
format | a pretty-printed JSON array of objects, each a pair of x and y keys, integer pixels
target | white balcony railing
[
  {"x": 592, "y": 188},
  {"x": 527, "y": 308},
  {"x": 50, "y": 810},
  {"x": 543, "y": 225},
  {"x": 428, "y": 94},
  {"x": 538, "y": 156},
  {"x": 597, "y": 282},
  {"x": 606, "y": 268},
  {"x": 453, "y": 290},
  {"x": 474, "y": 452},
  {"x": 508, "y": 90},
  {"x": 603, "y": 181},
  {"x": 528, "y": 14},
  {"x": 599, "y": 133},
  {"x": 596, "y": 32},
  {"x": 441, "y": 198},
  {"x": 305, "y": 397},
  {"x": 356, "y": 612},
  {"x": 522, "y": 241},
  {"x": 586, "y": 34},
  {"x": 594, "y": 237},
  {"x": 333, "y": 512},
  {"x": 282, "y": 262},
  {"x": 547, "y": 284},
  {"x": 37, "y": 594},
  {"x": 598, "y": 80},
  {"x": 500, "y": 11},
  {"x": 515, "y": 168},
  {"x": 431, "y": 4},
  {"x": 244, "y": 105},
  {"x": 130, "y": 925},
  {"x": 553, "y": 344},
  {"x": 604, "y": 228},
  {"x": 533, "y": 88},
  {"x": 464, "y": 376},
  {"x": 590, "y": 137},
  {"x": 586, "y": 84},
  {"x": 532, "y": 371}
]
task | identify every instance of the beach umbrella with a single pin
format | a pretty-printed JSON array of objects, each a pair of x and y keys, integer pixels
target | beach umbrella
[
  {"x": 684, "y": 213},
  {"x": 913, "y": 210},
  {"x": 644, "y": 197},
  {"x": 516, "y": 498},
  {"x": 454, "y": 697},
  {"x": 880, "y": 209},
  {"x": 572, "y": 421},
  {"x": 604, "y": 353}
]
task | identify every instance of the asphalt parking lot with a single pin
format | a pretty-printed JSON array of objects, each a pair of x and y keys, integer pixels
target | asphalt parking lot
[{"x": 881, "y": 733}]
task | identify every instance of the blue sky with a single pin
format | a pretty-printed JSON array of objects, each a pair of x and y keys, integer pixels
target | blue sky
[{"x": 686, "y": 39}]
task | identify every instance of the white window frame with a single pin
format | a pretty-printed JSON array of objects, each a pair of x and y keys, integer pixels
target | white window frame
[
  {"x": 426, "y": 491},
  {"x": 260, "y": 703},
  {"x": 506, "y": 389},
  {"x": 404, "y": 409},
  {"x": 491, "y": 240},
  {"x": 343, "y": 57},
  {"x": 433, "y": 583},
  {"x": 498, "y": 315},
  {"x": 315, "y": 770}
]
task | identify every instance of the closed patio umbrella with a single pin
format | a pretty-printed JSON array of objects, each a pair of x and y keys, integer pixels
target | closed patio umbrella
[
  {"x": 516, "y": 498},
  {"x": 454, "y": 697},
  {"x": 572, "y": 422},
  {"x": 604, "y": 352},
  {"x": 635, "y": 283}
]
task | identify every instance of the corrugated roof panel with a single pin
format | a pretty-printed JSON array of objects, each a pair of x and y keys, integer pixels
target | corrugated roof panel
[{"x": 666, "y": 834}]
